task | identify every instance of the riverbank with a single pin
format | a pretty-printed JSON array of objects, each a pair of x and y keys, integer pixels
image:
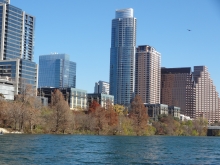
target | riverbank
[{"x": 5, "y": 131}]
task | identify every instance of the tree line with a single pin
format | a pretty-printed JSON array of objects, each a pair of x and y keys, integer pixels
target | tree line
[{"x": 26, "y": 114}]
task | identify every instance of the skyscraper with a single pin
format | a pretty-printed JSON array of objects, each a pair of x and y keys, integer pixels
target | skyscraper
[
  {"x": 147, "y": 74},
  {"x": 72, "y": 74},
  {"x": 194, "y": 92},
  {"x": 17, "y": 45},
  {"x": 56, "y": 70},
  {"x": 178, "y": 89},
  {"x": 207, "y": 105},
  {"x": 122, "y": 56},
  {"x": 17, "y": 33},
  {"x": 101, "y": 87}
]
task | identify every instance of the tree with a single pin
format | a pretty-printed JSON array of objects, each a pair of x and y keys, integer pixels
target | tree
[
  {"x": 112, "y": 118},
  {"x": 60, "y": 117},
  {"x": 93, "y": 106},
  {"x": 119, "y": 109},
  {"x": 101, "y": 124},
  {"x": 139, "y": 115},
  {"x": 3, "y": 106}
]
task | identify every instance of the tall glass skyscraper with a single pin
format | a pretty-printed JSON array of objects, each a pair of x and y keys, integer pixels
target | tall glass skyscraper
[
  {"x": 122, "y": 56},
  {"x": 56, "y": 70},
  {"x": 17, "y": 45}
]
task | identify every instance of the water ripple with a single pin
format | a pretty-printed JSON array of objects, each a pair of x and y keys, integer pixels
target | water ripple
[{"x": 75, "y": 149}]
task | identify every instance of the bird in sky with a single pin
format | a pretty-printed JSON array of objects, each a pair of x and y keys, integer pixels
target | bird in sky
[{"x": 189, "y": 30}]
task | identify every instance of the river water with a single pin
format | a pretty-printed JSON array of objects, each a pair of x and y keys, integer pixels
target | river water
[{"x": 77, "y": 149}]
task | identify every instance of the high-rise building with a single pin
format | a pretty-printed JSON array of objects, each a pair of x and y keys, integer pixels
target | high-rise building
[
  {"x": 72, "y": 74},
  {"x": 147, "y": 74},
  {"x": 56, "y": 70},
  {"x": 17, "y": 45},
  {"x": 194, "y": 92},
  {"x": 17, "y": 33},
  {"x": 122, "y": 56},
  {"x": 207, "y": 105},
  {"x": 178, "y": 89},
  {"x": 101, "y": 87}
]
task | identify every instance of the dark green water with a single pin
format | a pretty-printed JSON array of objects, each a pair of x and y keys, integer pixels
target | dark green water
[{"x": 75, "y": 149}]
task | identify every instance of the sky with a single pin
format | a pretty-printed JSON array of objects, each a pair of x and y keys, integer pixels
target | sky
[{"x": 82, "y": 29}]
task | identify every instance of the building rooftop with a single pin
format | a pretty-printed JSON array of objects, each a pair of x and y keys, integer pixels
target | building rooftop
[
  {"x": 175, "y": 70},
  {"x": 124, "y": 13}
]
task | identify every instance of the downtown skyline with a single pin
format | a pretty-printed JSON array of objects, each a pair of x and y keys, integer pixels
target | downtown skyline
[{"x": 91, "y": 35}]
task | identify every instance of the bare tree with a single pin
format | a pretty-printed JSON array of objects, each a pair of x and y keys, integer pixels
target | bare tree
[
  {"x": 139, "y": 115},
  {"x": 61, "y": 113}
]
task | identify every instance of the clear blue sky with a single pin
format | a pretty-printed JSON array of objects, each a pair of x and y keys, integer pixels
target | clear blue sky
[{"x": 82, "y": 29}]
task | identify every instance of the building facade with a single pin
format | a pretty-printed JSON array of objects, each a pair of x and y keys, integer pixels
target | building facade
[
  {"x": 154, "y": 110},
  {"x": 194, "y": 92},
  {"x": 17, "y": 45},
  {"x": 148, "y": 74},
  {"x": 7, "y": 88},
  {"x": 103, "y": 99},
  {"x": 72, "y": 74},
  {"x": 207, "y": 105},
  {"x": 122, "y": 56},
  {"x": 56, "y": 70},
  {"x": 101, "y": 87},
  {"x": 178, "y": 89},
  {"x": 76, "y": 98},
  {"x": 21, "y": 72},
  {"x": 174, "y": 111}
]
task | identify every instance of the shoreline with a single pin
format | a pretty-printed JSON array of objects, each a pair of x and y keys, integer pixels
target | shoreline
[{"x": 5, "y": 131}]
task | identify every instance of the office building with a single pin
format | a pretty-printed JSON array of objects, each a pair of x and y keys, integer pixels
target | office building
[
  {"x": 122, "y": 56},
  {"x": 17, "y": 33},
  {"x": 154, "y": 110},
  {"x": 148, "y": 74},
  {"x": 56, "y": 70},
  {"x": 20, "y": 71},
  {"x": 103, "y": 99},
  {"x": 17, "y": 45},
  {"x": 207, "y": 98},
  {"x": 194, "y": 92},
  {"x": 7, "y": 88},
  {"x": 72, "y": 74},
  {"x": 101, "y": 87},
  {"x": 174, "y": 111},
  {"x": 76, "y": 98},
  {"x": 178, "y": 89}
]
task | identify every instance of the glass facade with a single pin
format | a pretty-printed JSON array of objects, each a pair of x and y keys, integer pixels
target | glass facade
[
  {"x": 17, "y": 44},
  {"x": 17, "y": 33},
  {"x": 5, "y": 1},
  {"x": 13, "y": 32},
  {"x": 72, "y": 74},
  {"x": 28, "y": 44},
  {"x": 8, "y": 68},
  {"x": 122, "y": 56},
  {"x": 28, "y": 72},
  {"x": 57, "y": 71},
  {"x": 7, "y": 90},
  {"x": 18, "y": 71},
  {"x": 78, "y": 99},
  {"x": 102, "y": 99}
]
